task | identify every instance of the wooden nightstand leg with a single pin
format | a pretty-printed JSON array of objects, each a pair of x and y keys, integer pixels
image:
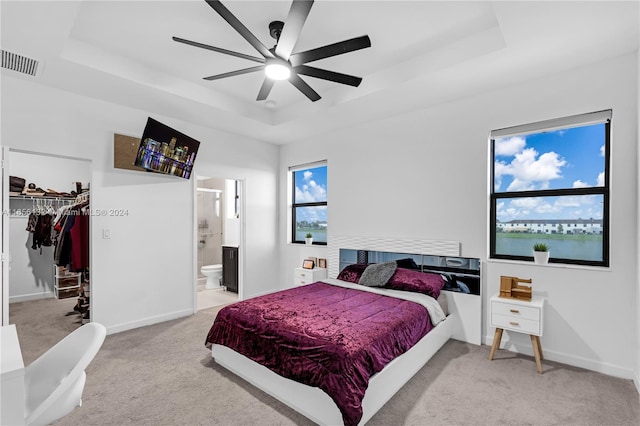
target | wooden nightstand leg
[
  {"x": 539, "y": 347},
  {"x": 535, "y": 342},
  {"x": 496, "y": 343}
]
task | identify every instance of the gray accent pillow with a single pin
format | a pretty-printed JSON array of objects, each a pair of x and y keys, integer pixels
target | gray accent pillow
[{"x": 378, "y": 274}]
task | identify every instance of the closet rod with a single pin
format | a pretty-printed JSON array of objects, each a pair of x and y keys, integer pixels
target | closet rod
[{"x": 40, "y": 197}]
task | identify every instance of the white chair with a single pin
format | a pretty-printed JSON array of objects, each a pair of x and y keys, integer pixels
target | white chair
[{"x": 54, "y": 382}]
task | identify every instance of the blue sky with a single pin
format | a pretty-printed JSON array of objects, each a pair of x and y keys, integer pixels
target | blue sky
[
  {"x": 567, "y": 158},
  {"x": 311, "y": 186}
]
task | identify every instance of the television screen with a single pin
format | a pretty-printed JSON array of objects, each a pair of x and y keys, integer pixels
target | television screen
[{"x": 166, "y": 150}]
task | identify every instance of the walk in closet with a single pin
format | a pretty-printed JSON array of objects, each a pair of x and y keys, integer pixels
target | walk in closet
[{"x": 49, "y": 222}]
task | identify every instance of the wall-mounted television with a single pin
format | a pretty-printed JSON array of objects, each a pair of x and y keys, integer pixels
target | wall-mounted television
[{"x": 166, "y": 150}]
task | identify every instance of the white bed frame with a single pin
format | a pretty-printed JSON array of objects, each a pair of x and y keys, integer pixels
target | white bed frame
[
  {"x": 315, "y": 403},
  {"x": 464, "y": 322}
]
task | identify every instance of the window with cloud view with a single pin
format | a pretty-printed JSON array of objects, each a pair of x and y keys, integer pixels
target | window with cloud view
[
  {"x": 550, "y": 184},
  {"x": 309, "y": 207}
]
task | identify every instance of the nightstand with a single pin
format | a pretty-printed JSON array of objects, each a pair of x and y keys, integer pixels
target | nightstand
[
  {"x": 303, "y": 276},
  {"x": 520, "y": 316}
]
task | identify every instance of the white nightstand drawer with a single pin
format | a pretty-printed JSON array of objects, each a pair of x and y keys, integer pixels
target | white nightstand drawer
[
  {"x": 521, "y": 325},
  {"x": 303, "y": 276},
  {"x": 516, "y": 311},
  {"x": 303, "y": 281}
]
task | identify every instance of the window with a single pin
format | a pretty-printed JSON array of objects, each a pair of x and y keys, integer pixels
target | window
[
  {"x": 309, "y": 202},
  {"x": 550, "y": 184}
]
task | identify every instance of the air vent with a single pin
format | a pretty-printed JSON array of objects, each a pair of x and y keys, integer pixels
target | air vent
[{"x": 19, "y": 63}]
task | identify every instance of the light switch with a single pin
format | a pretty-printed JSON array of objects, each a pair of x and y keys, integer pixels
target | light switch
[{"x": 106, "y": 233}]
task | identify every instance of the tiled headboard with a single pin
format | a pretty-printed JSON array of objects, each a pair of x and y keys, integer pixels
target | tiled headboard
[
  {"x": 466, "y": 308},
  {"x": 434, "y": 247}
]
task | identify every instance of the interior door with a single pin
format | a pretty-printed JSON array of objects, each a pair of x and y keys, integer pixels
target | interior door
[{"x": 4, "y": 307}]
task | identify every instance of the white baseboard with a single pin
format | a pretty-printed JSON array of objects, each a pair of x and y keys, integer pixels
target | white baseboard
[
  {"x": 27, "y": 297},
  {"x": 262, "y": 293},
  {"x": 148, "y": 321},
  {"x": 573, "y": 360}
]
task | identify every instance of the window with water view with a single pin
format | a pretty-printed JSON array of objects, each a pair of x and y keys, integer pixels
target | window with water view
[
  {"x": 551, "y": 185},
  {"x": 309, "y": 208}
]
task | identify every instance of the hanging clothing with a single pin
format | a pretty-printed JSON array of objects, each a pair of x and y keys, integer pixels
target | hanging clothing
[
  {"x": 42, "y": 232},
  {"x": 32, "y": 222},
  {"x": 79, "y": 234},
  {"x": 62, "y": 255},
  {"x": 71, "y": 230}
]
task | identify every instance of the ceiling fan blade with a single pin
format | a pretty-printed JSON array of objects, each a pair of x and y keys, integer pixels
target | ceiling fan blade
[
  {"x": 293, "y": 27},
  {"x": 328, "y": 75},
  {"x": 267, "y": 85},
  {"x": 239, "y": 27},
  {"x": 234, "y": 73},
  {"x": 330, "y": 50},
  {"x": 303, "y": 87},
  {"x": 217, "y": 49}
]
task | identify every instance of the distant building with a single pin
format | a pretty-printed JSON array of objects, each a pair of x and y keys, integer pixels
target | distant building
[{"x": 552, "y": 226}]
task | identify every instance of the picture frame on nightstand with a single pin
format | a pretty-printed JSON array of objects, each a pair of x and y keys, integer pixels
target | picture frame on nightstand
[
  {"x": 308, "y": 264},
  {"x": 322, "y": 263}
]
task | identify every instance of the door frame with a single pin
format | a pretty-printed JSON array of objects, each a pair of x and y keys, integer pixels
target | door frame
[
  {"x": 4, "y": 308},
  {"x": 194, "y": 236},
  {"x": 6, "y": 255}
]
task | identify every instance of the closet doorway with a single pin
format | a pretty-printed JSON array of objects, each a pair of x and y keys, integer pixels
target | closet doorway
[
  {"x": 47, "y": 239},
  {"x": 218, "y": 223}
]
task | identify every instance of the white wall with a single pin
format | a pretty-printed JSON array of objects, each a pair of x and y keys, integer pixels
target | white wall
[
  {"x": 31, "y": 273},
  {"x": 424, "y": 175},
  {"x": 145, "y": 272},
  {"x": 231, "y": 222},
  {"x": 637, "y": 378}
]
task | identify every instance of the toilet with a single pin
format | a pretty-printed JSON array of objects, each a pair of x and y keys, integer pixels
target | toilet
[{"x": 213, "y": 274}]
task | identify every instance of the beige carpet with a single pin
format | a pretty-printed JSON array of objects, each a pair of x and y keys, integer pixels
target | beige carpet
[{"x": 163, "y": 375}]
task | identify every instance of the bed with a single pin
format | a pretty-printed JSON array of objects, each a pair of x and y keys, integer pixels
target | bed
[{"x": 337, "y": 350}]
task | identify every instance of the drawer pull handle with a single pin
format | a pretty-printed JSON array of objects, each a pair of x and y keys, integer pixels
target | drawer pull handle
[
  {"x": 513, "y": 323},
  {"x": 514, "y": 311},
  {"x": 303, "y": 275}
]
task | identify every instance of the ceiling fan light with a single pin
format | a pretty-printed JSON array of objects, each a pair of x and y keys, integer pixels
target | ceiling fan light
[{"x": 277, "y": 71}]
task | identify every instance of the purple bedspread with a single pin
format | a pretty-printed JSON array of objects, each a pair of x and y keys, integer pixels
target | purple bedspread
[{"x": 322, "y": 335}]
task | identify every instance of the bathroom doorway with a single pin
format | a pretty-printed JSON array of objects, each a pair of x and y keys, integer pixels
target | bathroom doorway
[{"x": 218, "y": 229}]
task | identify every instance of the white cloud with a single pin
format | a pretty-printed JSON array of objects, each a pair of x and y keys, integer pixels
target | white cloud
[
  {"x": 530, "y": 202},
  {"x": 519, "y": 185},
  {"x": 528, "y": 169},
  {"x": 546, "y": 208},
  {"x": 585, "y": 206},
  {"x": 599, "y": 182},
  {"x": 312, "y": 214},
  {"x": 602, "y": 151},
  {"x": 310, "y": 191},
  {"x": 509, "y": 146},
  {"x": 499, "y": 168}
]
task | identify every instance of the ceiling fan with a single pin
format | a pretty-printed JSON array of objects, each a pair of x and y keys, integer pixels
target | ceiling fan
[{"x": 279, "y": 62}]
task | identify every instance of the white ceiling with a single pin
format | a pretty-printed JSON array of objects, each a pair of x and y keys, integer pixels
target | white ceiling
[{"x": 423, "y": 53}]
